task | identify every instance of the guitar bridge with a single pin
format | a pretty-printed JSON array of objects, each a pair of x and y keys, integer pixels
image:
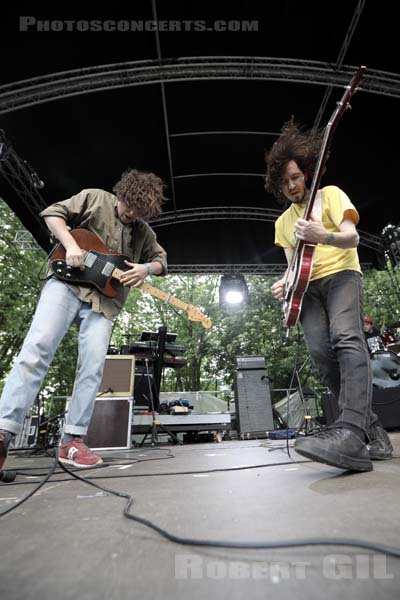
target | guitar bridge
[
  {"x": 89, "y": 260},
  {"x": 108, "y": 269}
]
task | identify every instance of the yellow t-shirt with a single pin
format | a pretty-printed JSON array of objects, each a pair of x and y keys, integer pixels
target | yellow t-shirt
[{"x": 336, "y": 206}]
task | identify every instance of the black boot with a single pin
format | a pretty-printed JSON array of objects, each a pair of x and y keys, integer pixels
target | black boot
[
  {"x": 336, "y": 446},
  {"x": 379, "y": 445}
]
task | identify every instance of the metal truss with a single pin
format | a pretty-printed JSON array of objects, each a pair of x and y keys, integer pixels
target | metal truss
[
  {"x": 23, "y": 180},
  {"x": 273, "y": 269},
  {"x": 242, "y": 213},
  {"x": 25, "y": 240},
  {"x": 30, "y": 92},
  {"x": 211, "y": 213},
  {"x": 222, "y": 268}
]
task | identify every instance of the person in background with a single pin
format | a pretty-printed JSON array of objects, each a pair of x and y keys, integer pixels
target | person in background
[{"x": 374, "y": 340}]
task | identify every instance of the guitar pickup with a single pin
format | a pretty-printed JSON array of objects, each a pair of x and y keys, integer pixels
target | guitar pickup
[
  {"x": 89, "y": 260},
  {"x": 108, "y": 269}
]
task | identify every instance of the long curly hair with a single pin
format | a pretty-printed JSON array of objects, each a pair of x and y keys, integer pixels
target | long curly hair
[
  {"x": 296, "y": 144},
  {"x": 141, "y": 190}
]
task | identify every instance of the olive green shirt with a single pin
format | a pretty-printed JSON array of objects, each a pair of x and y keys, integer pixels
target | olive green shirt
[{"x": 96, "y": 210}]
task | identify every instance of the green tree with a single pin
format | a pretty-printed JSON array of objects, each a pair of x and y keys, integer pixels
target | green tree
[
  {"x": 210, "y": 354},
  {"x": 19, "y": 291}
]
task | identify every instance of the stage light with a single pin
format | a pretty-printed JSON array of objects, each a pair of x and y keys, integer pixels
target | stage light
[{"x": 233, "y": 292}]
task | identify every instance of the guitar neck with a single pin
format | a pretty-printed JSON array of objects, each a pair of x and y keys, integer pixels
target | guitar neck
[
  {"x": 164, "y": 296},
  {"x": 157, "y": 293},
  {"x": 342, "y": 106}
]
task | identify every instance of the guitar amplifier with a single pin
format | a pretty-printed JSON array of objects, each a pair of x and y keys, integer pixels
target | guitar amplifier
[
  {"x": 250, "y": 362},
  {"x": 110, "y": 425},
  {"x": 141, "y": 395},
  {"x": 252, "y": 396},
  {"x": 118, "y": 376}
]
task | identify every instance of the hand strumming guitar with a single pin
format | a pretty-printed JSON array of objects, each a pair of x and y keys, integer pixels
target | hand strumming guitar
[
  {"x": 74, "y": 255},
  {"x": 278, "y": 289}
]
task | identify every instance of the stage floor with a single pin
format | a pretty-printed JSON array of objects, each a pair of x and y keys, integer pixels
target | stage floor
[{"x": 71, "y": 540}]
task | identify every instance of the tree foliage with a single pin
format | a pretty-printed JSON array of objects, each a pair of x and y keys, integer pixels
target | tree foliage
[
  {"x": 19, "y": 292},
  {"x": 210, "y": 353}
]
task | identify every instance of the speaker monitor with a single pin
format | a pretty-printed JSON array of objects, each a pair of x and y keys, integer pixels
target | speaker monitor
[
  {"x": 110, "y": 425},
  {"x": 141, "y": 394},
  {"x": 252, "y": 396},
  {"x": 385, "y": 404},
  {"x": 118, "y": 376}
]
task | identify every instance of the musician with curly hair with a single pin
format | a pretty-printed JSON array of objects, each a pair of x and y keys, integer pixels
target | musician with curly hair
[
  {"x": 119, "y": 220},
  {"x": 332, "y": 307}
]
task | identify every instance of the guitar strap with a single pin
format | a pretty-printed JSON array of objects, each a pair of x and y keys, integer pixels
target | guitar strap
[{"x": 317, "y": 208}]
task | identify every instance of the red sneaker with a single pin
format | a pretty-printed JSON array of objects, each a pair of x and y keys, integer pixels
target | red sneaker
[{"x": 76, "y": 453}]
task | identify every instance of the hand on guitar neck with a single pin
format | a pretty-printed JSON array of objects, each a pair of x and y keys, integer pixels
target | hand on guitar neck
[
  {"x": 135, "y": 275},
  {"x": 311, "y": 230}
]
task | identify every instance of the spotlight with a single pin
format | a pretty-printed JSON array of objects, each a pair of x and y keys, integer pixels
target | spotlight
[{"x": 233, "y": 292}]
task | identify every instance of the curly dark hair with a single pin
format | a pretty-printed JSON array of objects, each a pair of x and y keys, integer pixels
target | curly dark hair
[
  {"x": 296, "y": 144},
  {"x": 141, "y": 190}
]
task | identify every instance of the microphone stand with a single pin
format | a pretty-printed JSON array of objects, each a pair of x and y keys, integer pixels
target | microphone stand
[{"x": 155, "y": 425}]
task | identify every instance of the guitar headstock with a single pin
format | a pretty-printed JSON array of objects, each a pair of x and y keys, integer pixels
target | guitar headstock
[
  {"x": 351, "y": 89},
  {"x": 194, "y": 314}
]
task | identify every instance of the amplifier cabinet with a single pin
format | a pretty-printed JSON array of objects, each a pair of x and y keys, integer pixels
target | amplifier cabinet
[
  {"x": 118, "y": 376},
  {"x": 110, "y": 425},
  {"x": 252, "y": 396}
]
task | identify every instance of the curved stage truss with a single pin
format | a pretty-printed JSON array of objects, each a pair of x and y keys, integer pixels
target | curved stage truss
[{"x": 46, "y": 88}]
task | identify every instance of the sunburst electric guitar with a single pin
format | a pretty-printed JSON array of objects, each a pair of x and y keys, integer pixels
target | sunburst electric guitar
[
  {"x": 299, "y": 270},
  {"x": 103, "y": 269}
]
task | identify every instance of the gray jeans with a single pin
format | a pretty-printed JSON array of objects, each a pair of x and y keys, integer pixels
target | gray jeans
[{"x": 332, "y": 320}]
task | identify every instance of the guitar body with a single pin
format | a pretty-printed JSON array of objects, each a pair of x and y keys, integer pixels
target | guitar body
[
  {"x": 103, "y": 270},
  {"x": 100, "y": 263},
  {"x": 297, "y": 284}
]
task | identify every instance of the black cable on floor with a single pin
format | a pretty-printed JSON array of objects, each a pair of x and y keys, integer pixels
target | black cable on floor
[
  {"x": 349, "y": 542},
  {"x": 32, "y": 492},
  {"x": 171, "y": 473}
]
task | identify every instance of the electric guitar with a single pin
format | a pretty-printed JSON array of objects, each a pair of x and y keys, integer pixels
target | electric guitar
[
  {"x": 299, "y": 270},
  {"x": 103, "y": 269}
]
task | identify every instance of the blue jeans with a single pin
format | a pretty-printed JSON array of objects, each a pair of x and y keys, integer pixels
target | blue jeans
[
  {"x": 332, "y": 321},
  {"x": 58, "y": 308}
]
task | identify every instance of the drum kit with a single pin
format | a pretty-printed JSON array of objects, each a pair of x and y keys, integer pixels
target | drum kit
[{"x": 385, "y": 356}]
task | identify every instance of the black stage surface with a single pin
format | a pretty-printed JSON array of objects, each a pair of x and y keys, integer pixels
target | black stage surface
[{"x": 70, "y": 540}]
